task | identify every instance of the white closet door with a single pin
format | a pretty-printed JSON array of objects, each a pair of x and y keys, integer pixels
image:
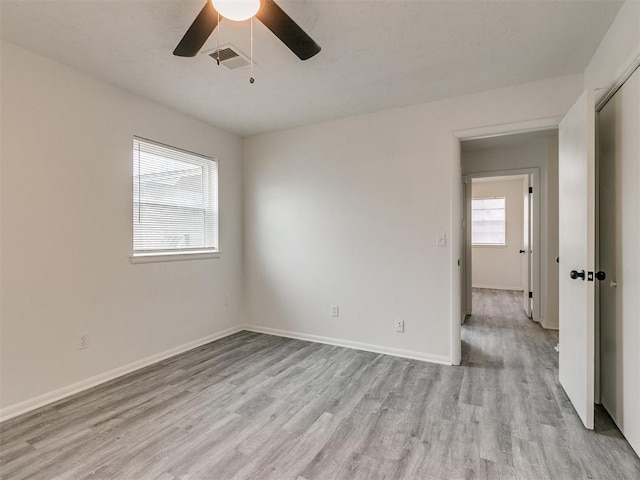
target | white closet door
[{"x": 619, "y": 226}]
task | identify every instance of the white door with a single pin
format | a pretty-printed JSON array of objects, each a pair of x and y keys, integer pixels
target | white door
[
  {"x": 525, "y": 251},
  {"x": 619, "y": 175},
  {"x": 576, "y": 175}
]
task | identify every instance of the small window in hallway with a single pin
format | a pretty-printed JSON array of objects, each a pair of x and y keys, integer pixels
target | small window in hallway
[{"x": 488, "y": 221}]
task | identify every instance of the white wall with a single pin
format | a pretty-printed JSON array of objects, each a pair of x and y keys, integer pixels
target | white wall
[
  {"x": 501, "y": 266},
  {"x": 347, "y": 212},
  {"x": 619, "y": 49},
  {"x": 67, "y": 232},
  {"x": 539, "y": 152}
]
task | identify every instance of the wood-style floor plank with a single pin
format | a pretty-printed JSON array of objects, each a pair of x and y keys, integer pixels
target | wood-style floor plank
[{"x": 255, "y": 406}]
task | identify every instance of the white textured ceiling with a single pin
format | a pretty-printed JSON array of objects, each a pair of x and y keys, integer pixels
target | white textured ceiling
[{"x": 375, "y": 54}]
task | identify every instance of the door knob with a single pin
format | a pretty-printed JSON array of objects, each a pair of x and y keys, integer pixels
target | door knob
[
  {"x": 601, "y": 275},
  {"x": 522, "y": 251},
  {"x": 577, "y": 274}
]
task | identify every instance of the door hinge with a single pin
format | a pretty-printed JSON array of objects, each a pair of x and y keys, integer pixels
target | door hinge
[
  {"x": 530, "y": 294},
  {"x": 530, "y": 189}
]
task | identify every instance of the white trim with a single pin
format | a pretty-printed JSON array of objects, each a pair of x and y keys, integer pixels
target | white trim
[
  {"x": 549, "y": 123},
  {"x": 508, "y": 178},
  {"x": 396, "y": 352},
  {"x": 499, "y": 287},
  {"x": 489, "y": 245},
  {"x": 618, "y": 85},
  {"x": 171, "y": 147},
  {"x": 173, "y": 256},
  {"x": 55, "y": 395},
  {"x": 456, "y": 254}
]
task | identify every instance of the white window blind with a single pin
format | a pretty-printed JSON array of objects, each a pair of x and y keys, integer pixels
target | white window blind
[
  {"x": 488, "y": 219},
  {"x": 175, "y": 200}
]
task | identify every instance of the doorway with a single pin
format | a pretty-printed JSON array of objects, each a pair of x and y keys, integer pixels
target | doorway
[
  {"x": 534, "y": 155},
  {"x": 499, "y": 229}
]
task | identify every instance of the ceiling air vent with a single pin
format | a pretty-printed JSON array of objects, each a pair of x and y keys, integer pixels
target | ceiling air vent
[{"x": 230, "y": 57}]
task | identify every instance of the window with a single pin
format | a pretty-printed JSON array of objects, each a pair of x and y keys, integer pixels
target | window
[
  {"x": 175, "y": 200},
  {"x": 488, "y": 221}
]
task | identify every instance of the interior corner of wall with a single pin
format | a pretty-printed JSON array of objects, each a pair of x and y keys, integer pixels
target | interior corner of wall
[{"x": 549, "y": 324}]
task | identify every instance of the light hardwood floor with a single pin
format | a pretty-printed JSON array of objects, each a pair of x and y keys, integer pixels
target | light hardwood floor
[{"x": 254, "y": 406}]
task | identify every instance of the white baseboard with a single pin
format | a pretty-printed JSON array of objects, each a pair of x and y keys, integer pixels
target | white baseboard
[
  {"x": 396, "y": 352},
  {"x": 499, "y": 287},
  {"x": 50, "y": 397}
]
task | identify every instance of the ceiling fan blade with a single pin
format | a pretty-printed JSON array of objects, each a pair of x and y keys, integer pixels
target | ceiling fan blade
[
  {"x": 198, "y": 32},
  {"x": 288, "y": 31}
]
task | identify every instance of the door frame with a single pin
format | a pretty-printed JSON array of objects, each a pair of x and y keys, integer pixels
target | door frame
[
  {"x": 457, "y": 229},
  {"x": 536, "y": 239}
]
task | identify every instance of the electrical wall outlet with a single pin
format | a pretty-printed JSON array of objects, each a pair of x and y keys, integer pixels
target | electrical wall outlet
[
  {"x": 83, "y": 341},
  {"x": 399, "y": 325},
  {"x": 227, "y": 300},
  {"x": 335, "y": 311}
]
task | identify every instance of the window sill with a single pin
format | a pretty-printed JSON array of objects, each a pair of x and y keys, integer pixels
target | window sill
[
  {"x": 173, "y": 257},
  {"x": 488, "y": 245}
]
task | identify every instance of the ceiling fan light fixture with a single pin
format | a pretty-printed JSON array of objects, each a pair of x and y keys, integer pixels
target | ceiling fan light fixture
[{"x": 237, "y": 10}]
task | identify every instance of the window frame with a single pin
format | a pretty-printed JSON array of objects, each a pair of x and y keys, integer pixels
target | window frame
[
  {"x": 211, "y": 190},
  {"x": 490, "y": 245}
]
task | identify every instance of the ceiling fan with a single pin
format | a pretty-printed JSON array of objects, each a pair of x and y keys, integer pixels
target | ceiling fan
[{"x": 269, "y": 13}]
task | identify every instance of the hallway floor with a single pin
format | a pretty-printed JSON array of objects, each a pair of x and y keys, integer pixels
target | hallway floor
[{"x": 517, "y": 389}]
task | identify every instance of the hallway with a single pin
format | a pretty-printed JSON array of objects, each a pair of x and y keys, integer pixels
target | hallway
[{"x": 511, "y": 374}]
